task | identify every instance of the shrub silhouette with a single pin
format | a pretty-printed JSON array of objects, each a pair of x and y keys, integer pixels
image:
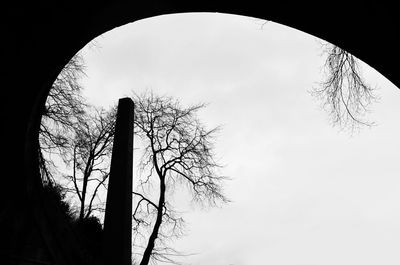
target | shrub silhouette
[
  {"x": 56, "y": 194},
  {"x": 88, "y": 230}
]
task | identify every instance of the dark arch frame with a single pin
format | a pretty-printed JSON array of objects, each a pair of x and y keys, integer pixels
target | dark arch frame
[{"x": 41, "y": 37}]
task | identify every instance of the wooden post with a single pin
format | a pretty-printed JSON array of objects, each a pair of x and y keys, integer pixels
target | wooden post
[{"x": 117, "y": 240}]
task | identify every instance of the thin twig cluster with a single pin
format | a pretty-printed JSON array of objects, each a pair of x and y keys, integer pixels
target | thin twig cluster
[{"x": 344, "y": 93}]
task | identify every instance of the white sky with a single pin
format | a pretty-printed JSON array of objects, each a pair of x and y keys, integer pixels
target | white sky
[{"x": 302, "y": 192}]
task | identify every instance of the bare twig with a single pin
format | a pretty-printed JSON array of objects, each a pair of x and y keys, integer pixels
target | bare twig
[{"x": 344, "y": 93}]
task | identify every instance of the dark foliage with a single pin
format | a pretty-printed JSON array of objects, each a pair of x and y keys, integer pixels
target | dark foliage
[
  {"x": 91, "y": 233},
  {"x": 56, "y": 194},
  {"x": 88, "y": 230}
]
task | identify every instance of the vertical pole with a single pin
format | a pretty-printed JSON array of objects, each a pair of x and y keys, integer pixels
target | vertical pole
[{"x": 117, "y": 238}]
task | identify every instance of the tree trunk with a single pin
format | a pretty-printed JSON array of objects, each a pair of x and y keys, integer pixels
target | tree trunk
[
  {"x": 150, "y": 245},
  {"x": 84, "y": 188},
  {"x": 82, "y": 210}
]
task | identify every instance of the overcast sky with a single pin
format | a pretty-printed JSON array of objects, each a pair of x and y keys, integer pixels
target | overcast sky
[{"x": 303, "y": 193}]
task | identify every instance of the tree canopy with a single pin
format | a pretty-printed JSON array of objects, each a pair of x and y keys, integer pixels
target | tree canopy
[{"x": 177, "y": 149}]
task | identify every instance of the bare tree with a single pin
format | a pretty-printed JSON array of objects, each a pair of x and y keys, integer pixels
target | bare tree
[
  {"x": 64, "y": 108},
  {"x": 344, "y": 93},
  {"x": 77, "y": 134},
  {"x": 72, "y": 132},
  {"x": 89, "y": 158},
  {"x": 177, "y": 150}
]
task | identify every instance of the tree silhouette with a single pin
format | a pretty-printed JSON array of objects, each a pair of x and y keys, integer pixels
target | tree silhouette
[
  {"x": 344, "y": 93},
  {"x": 79, "y": 137},
  {"x": 177, "y": 150},
  {"x": 64, "y": 108},
  {"x": 89, "y": 156}
]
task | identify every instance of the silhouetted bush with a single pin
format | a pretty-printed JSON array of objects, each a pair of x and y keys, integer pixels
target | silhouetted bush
[
  {"x": 88, "y": 230},
  {"x": 56, "y": 194}
]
